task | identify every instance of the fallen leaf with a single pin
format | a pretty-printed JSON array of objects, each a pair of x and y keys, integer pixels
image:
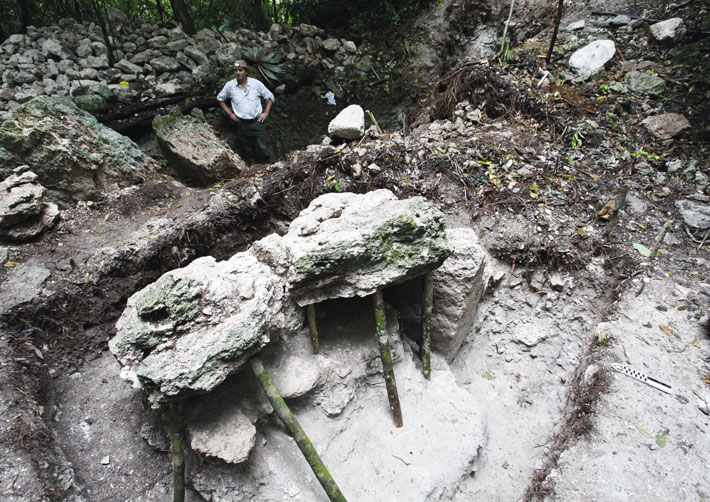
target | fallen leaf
[
  {"x": 661, "y": 440},
  {"x": 666, "y": 329},
  {"x": 11, "y": 264},
  {"x": 697, "y": 343},
  {"x": 643, "y": 250},
  {"x": 643, "y": 432}
]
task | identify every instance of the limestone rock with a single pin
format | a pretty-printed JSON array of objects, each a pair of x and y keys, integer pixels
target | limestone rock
[
  {"x": 695, "y": 214},
  {"x": 591, "y": 58},
  {"x": 348, "y": 124},
  {"x": 20, "y": 197},
  {"x": 666, "y": 125},
  {"x": 669, "y": 30},
  {"x": 646, "y": 83},
  {"x": 195, "y": 326},
  {"x": 458, "y": 286},
  {"x": 73, "y": 155},
  {"x": 195, "y": 151},
  {"x": 23, "y": 212},
  {"x": 346, "y": 245}
]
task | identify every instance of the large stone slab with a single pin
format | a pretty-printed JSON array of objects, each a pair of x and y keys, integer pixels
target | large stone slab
[
  {"x": 195, "y": 326},
  {"x": 194, "y": 150},
  {"x": 346, "y": 245},
  {"x": 74, "y": 156}
]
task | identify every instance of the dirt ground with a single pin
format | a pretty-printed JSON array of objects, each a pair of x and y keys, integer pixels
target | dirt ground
[{"x": 565, "y": 300}]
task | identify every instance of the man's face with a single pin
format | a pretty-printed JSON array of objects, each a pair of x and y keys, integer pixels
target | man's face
[{"x": 241, "y": 73}]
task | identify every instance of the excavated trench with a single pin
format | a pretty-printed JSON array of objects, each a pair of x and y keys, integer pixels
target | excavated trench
[{"x": 519, "y": 362}]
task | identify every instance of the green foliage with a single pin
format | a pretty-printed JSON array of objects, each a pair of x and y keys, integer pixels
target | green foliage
[{"x": 270, "y": 65}]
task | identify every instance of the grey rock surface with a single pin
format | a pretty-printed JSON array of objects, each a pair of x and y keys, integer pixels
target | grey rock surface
[
  {"x": 195, "y": 151},
  {"x": 195, "y": 326},
  {"x": 458, "y": 285},
  {"x": 346, "y": 245},
  {"x": 73, "y": 155},
  {"x": 360, "y": 445},
  {"x": 348, "y": 124},
  {"x": 645, "y": 83},
  {"x": 695, "y": 214}
]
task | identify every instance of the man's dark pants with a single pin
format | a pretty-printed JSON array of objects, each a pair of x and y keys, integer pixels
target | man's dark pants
[{"x": 253, "y": 141}]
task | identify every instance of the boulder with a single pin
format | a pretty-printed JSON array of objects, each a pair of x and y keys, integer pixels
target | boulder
[
  {"x": 666, "y": 125},
  {"x": 591, "y": 58},
  {"x": 188, "y": 331},
  {"x": 458, "y": 287},
  {"x": 669, "y": 30},
  {"x": 194, "y": 150},
  {"x": 348, "y": 124},
  {"x": 73, "y": 155},
  {"x": 346, "y": 245}
]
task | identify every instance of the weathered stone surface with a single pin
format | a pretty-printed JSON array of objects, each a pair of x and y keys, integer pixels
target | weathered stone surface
[
  {"x": 195, "y": 326},
  {"x": 646, "y": 83},
  {"x": 227, "y": 434},
  {"x": 668, "y": 30},
  {"x": 349, "y": 123},
  {"x": 22, "y": 283},
  {"x": 666, "y": 125},
  {"x": 32, "y": 227},
  {"x": 73, "y": 155},
  {"x": 346, "y": 245},
  {"x": 591, "y": 58},
  {"x": 21, "y": 197},
  {"x": 187, "y": 332},
  {"x": 194, "y": 150},
  {"x": 695, "y": 214},
  {"x": 458, "y": 286}
]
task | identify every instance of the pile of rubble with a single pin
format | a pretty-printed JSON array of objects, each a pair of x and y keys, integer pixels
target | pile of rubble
[{"x": 155, "y": 60}]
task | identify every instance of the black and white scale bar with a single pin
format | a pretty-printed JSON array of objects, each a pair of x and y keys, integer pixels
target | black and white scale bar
[{"x": 657, "y": 384}]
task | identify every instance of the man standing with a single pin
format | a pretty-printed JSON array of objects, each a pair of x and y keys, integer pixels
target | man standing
[{"x": 246, "y": 95}]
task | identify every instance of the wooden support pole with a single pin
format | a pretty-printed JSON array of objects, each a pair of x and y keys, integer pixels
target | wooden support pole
[
  {"x": 175, "y": 424},
  {"x": 294, "y": 428},
  {"x": 615, "y": 212},
  {"x": 386, "y": 357},
  {"x": 427, "y": 304},
  {"x": 659, "y": 239},
  {"x": 312, "y": 328}
]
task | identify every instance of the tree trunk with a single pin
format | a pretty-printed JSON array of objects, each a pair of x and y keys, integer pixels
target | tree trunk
[
  {"x": 294, "y": 428},
  {"x": 182, "y": 15},
  {"x": 555, "y": 30},
  {"x": 25, "y": 19}
]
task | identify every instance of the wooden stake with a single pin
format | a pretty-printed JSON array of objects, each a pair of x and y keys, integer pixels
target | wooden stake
[
  {"x": 294, "y": 428},
  {"x": 427, "y": 304},
  {"x": 372, "y": 118},
  {"x": 176, "y": 439},
  {"x": 659, "y": 239},
  {"x": 312, "y": 328},
  {"x": 615, "y": 212},
  {"x": 386, "y": 357}
]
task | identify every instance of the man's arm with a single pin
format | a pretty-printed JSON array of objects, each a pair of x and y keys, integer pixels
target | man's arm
[
  {"x": 267, "y": 108},
  {"x": 228, "y": 111}
]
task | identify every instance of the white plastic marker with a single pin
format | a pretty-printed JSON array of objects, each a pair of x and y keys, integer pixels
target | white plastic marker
[{"x": 657, "y": 384}]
